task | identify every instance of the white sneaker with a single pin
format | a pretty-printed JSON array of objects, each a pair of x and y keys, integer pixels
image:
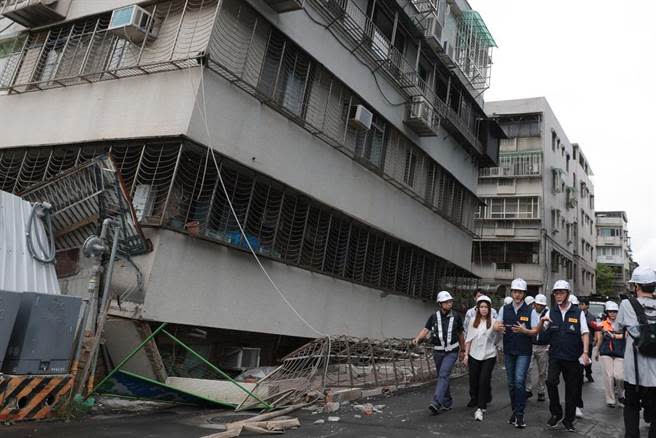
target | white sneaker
[
  {"x": 579, "y": 413},
  {"x": 478, "y": 415}
]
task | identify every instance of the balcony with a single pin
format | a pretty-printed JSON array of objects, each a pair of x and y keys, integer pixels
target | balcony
[
  {"x": 509, "y": 271},
  {"x": 515, "y": 165},
  {"x": 610, "y": 259},
  {"x": 34, "y": 13},
  {"x": 87, "y": 51},
  {"x": 609, "y": 241}
]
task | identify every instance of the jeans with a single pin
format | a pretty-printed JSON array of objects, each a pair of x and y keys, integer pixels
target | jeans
[
  {"x": 573, "y": 377},
  {"x": 444, "y": 362},
  {"x": 480, "y": 377},
  {"x": 636, "y": 397},
  {"x": 516, "y": 370}
]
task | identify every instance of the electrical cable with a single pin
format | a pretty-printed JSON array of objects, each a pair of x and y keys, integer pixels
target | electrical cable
[
  {"x": 203, "y": 114},
  {"x": 373, "y": 72},
  {"x": 43, "y": 210}
]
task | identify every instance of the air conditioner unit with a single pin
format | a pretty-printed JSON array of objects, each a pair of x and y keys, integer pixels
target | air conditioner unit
[
  {"x": 284, "y": 5},
  {"x": 133, "y": 23},
  {"x": 34, "y": 13},
  {"x": 360, "y": 117},
  {"x": 420, "y": 109},
  {"x": 433, "y": 32},
  {"x": 240, "y": 358}
]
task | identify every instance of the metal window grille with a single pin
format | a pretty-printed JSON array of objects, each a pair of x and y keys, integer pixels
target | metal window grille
[{"x": 175, "y": 185}]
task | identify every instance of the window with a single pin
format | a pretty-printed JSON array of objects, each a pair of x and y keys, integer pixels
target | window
[
  {"x": 553, "y": 141},
  {"x": 410, "y": 167},
  {"x": 567, "y": 163},
  {"x": 555, "y": 262}
]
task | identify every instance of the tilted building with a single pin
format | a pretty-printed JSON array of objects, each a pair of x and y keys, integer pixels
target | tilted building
[{"x": 346, "y": 135}]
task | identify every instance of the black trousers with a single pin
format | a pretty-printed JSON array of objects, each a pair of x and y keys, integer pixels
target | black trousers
[
  {"x": 573, "y": 377},
  {"x": 637, "y": 397},
  {"x": 480, "y": 378}
]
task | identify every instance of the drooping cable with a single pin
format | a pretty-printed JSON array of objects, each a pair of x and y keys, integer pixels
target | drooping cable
[
  {"x": 203, "y": 115},
  {"x": 48, "y": 250}
]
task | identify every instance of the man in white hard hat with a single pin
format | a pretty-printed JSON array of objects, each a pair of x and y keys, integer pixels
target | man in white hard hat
[
  {"x": 637, "y": 317},
  {"x": 445, "y": 329},
  {"x": 529, "y": 300},
  {"x": 540, "y": 358},
  {"x": 518, "y": 323},
  {"x": 567, "y": 332}
]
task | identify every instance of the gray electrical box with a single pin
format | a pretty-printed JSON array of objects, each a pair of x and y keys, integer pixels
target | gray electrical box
[
  {"x": 43, "y": 335},
  {"x": 9, "y": 304}
]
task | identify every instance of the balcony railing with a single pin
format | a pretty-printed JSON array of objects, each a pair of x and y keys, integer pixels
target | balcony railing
[
  {"x": 515, "y": 165},
  {"x": 87, "y": 51}
]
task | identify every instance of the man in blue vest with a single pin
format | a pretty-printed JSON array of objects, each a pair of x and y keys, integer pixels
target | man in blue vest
[
  {"x": 567, "y": 330},
  {"x": 445, "y": 329},
  {"x": 518, "y": 323}
]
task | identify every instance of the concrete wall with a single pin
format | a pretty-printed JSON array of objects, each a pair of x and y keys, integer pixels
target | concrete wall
[
  {"x": 143, "y": 106},
  {"x": 261, "y": 138},
  {"x": 216, "y": 286}
]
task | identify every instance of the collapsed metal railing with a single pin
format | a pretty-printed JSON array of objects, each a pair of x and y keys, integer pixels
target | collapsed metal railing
[{"x": 344, "y": 362}]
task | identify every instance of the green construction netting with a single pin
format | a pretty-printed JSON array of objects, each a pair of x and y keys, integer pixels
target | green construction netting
[{"x": 474, "y": 19}]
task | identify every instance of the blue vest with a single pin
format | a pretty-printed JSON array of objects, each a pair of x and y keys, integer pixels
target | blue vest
[
  {"x": 517, "y": 343},
  {"x": 541, "y": 338},
  {"x": 612, "y": 347},
  {"x": 565, "y": 336}
]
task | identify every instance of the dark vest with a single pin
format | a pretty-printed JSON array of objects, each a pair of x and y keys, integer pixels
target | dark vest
[
  {"x": 612, "y": 347},
  {"x": 517, "y": 343},
  {"x": 541, "y": 338},
  {"x": 565, "y": 335}
]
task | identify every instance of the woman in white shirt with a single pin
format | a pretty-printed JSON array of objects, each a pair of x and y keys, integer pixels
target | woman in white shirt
[{"x": 480, "y": 356}]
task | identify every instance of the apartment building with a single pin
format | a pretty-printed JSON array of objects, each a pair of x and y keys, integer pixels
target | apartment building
[
  {"x": 538, "y": 218},
  {"x": 614, "y": 247},
  {"x": 346, "y": 134}
]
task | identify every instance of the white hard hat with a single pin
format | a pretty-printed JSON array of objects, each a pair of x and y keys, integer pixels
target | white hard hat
[
  {"x": 541, "y": 299},
  {"x": 529, "y": 300},
  {"x": 611, "y": 306},
  {"x": 572, "y": 299},
  {"x": 561, "y": 285},
  {"x": 518, "y": 284},
  {"x": 507, "y": 300},
  {"x": 444, "y": 296},
  {"x": 643, "y": 275},
  {"x": 484, "y": 298}
]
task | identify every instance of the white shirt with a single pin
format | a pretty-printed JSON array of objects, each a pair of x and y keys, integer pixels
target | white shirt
[
  {"x": 627, "y": 319},
  {"x": 483, "y": 340},
  {"x": 582, "y": 319},
  {"x": 471, "y": 315}
]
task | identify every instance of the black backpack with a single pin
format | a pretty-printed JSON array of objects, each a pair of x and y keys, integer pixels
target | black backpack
[{"x": 645, "y": 343}]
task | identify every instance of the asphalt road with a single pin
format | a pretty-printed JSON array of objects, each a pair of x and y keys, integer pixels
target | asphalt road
[{"x": 404, "y": 416}]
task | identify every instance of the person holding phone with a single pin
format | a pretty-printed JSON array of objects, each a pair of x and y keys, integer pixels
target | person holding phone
[
  {"x": 566, "y": 328},
  {"x": 518, "y": 323}
]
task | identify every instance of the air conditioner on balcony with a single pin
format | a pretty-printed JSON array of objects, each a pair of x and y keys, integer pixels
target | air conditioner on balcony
[
  {"x": 133, "y": 23},
  {"x": 433, "y": 32},
  {"x": 360, "y": 117},
  {"x": 421, "y": 109}
]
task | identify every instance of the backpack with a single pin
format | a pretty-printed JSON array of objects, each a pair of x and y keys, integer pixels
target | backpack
[{"x": 645, "y": 343}]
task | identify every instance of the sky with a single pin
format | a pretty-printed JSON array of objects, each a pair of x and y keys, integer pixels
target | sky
[{"x": 595, "y": 62}]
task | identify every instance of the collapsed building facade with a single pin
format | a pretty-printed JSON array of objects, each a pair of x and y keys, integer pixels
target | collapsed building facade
[
  {"x": 538, "y": 222},
  {"x": 346, "y": 135}
]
